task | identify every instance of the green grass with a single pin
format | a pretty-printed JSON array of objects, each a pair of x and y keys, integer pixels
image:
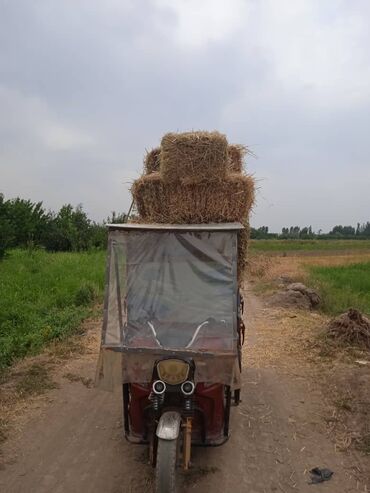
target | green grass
[
  {"x": 308, "y": 245},
  {"x": 343, "y": 287},
  {"x": 45, "y": 296}
]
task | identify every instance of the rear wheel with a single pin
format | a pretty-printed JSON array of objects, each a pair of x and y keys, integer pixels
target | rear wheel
[{"x": 165, "y": 481}]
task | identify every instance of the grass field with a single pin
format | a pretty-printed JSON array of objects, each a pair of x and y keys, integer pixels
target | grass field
[
  {"x": 343, "y": 287},
  {"x": 45, "y": 296},
  {"x": 308, "y": 245}
]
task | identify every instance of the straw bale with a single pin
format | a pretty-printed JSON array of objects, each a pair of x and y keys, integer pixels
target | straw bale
[
  {"x": 193, "y": 157},
  {"x": 228, "y": 201},
  {"x": 243, "y": 244},
  {"x": 235, "y": 157},
  {"x": 161, "y": 202},
  {"x": 151, "y": 161}
]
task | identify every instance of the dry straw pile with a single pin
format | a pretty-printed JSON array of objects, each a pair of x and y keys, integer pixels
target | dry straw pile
[
  {"x": 196, "y": 177},
  {"x": 350, "y": 328}
]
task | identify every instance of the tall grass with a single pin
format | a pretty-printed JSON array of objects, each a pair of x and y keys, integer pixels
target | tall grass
[
  {"x": 45, "y": 296},
  {"x": 343, "y": 287}
]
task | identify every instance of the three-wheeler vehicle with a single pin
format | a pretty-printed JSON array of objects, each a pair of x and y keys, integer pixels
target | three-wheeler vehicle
[{"x": 172, "y": 337}]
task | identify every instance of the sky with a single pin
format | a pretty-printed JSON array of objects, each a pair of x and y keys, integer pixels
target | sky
[{"x": 86, "y": 86}]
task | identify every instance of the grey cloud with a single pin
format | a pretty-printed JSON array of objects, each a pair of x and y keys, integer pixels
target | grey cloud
[{"x": 85, "y": 87}]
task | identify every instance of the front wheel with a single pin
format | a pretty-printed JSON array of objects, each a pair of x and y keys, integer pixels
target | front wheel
[{"x": 165, "y": 481}]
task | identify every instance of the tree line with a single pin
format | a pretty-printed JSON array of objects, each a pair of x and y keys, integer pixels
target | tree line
[
  {"x": 27, "y": 224},
  {"x": 361, "y": 231}
]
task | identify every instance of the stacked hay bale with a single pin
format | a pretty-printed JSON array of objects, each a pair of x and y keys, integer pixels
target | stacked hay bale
[
  {"x": 195, "y": 178},
  {"x": 151, "y": 161}
]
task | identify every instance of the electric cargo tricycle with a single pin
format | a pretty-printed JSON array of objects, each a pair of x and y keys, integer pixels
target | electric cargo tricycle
[{"x": 172, "y": 337}]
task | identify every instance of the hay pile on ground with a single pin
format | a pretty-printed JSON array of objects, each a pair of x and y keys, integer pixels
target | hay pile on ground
[
  {"x": 196, "y": 178},
  {"x": 193, "y": 157},
  {"x": 350, "y": 328},
  {"x": 295, "y": 295}
]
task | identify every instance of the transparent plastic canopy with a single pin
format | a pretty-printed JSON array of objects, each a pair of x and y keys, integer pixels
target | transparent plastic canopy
[{"x": 171, "y": 290}]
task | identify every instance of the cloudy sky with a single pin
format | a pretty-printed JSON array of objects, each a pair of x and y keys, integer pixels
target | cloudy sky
[{"x": 87, "y": 85}]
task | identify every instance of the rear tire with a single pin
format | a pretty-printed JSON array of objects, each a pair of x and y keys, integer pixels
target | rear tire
[{"x": 165, "y": 480}]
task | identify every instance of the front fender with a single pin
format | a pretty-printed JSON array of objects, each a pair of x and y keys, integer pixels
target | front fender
[{"x": 169, "y": 425}]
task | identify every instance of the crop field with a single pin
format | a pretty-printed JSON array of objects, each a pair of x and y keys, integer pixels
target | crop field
[
  {"x": 343, "y": 287},
  {"x": 341, "y": 276},
  {"x": 280, "y": 246},
  {"x": 45, "y": 296}
]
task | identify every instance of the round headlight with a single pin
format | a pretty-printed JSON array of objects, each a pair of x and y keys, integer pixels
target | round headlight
[
  {"x": 187, "y": 388},
  {"x": 159, "y": 387}
]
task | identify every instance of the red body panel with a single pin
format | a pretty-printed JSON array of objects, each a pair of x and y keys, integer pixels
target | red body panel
[{"x": 138, "y": 402}]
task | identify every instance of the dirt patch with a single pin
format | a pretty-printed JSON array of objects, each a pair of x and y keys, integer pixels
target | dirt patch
[
  {"x": 310, "y": 293},
  {"x": 196, "y": 474},
  {"x": 297, "y": 403},
  {"x": 295, "y": 343},
  {"x": 349, "y": 399},
  {"x": 290, "y": 299},
  {"x": 338, "y": 371},
  {"x": 72, "y": 377},
  {"x": 25, "y": 387},
  {"x": 295, "y": 295},
  {"x": 3, "y": 430},
  {"x": 34, "y": 380}
]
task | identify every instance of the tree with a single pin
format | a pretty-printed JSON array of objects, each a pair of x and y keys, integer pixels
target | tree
[
  {"x": 27, "y": 221},
  {"x": 117, "y": 218},
  {"x": 366, "y": 229},
  {"x": 343, "y": 231},
  {"x": 69, "y": 230},
  {"x": 6, "y": 236}
]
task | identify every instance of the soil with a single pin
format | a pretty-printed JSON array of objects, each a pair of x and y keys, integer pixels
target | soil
[
  {"x": 70, "y": 438},
  {"x": 295, "y": 295},
  {"x": 290, "y": 299}
]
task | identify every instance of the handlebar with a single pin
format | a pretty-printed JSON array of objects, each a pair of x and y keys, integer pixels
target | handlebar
[
  {"x": 154, "y": 333},
  {"x": 192, "y": 340},
  {"x": 196, "y": 334}
]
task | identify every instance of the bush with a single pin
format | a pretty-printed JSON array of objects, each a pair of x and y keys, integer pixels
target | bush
[{"x": 85, "y": 295}]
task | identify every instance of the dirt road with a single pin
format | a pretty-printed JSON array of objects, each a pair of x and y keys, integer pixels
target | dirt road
[{"x": 72, "y": 440}]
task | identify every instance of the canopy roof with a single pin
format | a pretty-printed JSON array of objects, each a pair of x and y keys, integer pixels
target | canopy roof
[{"x": 178, "y": 227}]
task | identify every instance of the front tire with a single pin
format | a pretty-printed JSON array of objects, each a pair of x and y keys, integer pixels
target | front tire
[{"x": 165, "y": 480}]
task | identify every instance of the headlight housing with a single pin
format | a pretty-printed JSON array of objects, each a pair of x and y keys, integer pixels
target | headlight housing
[{"x": 173, "y": 371}]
